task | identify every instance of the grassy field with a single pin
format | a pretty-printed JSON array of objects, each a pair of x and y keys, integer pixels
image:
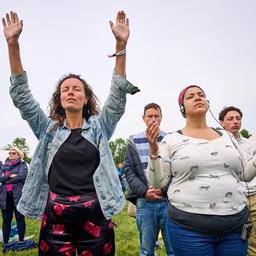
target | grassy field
[{"x": 127, "y": 238}]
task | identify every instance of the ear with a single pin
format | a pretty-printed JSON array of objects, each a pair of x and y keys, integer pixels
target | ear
[
  {"x": 86, "y": 100},
  {"x": 222, "y": 123}
]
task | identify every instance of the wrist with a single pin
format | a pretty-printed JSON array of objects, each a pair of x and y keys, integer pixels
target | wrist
[
  {"x": 120, "y": 46},
  {"x": 153, "y": 156},
  {"x": 13, "y": 42},
  {"x": 119, "y": 53}
]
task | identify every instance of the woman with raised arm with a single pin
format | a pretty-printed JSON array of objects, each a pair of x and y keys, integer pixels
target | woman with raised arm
[
  {"x": 208, "y": 212},
  {"x": 72, "y": 183}
]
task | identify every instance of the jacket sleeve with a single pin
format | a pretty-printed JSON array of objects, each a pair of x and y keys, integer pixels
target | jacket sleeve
[
  {"x": 114, "y": 106},
  {"x": 29, "y": 108},
  {"x": 136, "y": 185},
  {"x": 159, "y": 170},
  {"x": 248, "y": 171},
  {"x": 248, "y": 164},
  {"x": 21, "y": 175}
]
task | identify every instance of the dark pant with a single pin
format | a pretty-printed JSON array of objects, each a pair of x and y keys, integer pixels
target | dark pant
[
  {"x": 73, "y": 225},
  {"x": 7, "y": 215}
]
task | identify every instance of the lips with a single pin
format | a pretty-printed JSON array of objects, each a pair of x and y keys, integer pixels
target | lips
[
  {"x": 71, "y": 99},
  {"x": 199, "y": 104}
]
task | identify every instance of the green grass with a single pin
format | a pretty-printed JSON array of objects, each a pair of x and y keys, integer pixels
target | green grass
[{"x": 127, "y": 236}]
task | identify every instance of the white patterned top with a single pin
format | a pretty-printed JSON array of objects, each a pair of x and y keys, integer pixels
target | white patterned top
[
  {"x": 206, "y": 174},
  {"x": 249, "y": 146}
]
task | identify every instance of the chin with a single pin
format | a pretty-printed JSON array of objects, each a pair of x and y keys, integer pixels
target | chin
[{"x": 72, "y": 110}]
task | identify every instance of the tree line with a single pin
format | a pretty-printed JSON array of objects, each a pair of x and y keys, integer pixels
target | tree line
[{"x": 118, "y": 147}]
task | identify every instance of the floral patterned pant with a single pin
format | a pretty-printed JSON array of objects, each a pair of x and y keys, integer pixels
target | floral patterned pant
[{"x": 75, "y": 225}]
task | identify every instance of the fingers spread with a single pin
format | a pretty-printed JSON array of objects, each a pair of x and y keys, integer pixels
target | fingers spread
[
  {"x": 118, "y": 17},
  {"x": 8, "y": 19},
  {"x": 11, "y": 18},
  {"x": 4, "y": 23},
  {"x": 121, "y": 18},
  {"x": 16, "y": 18},
  {"x": 111, "y": 24}
]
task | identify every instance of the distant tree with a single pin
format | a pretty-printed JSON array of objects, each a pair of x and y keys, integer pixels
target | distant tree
[
  {"x": 245, "y": 133},
  {"x": 118, "y": 148},
  {"x": 22, "y": 145}
]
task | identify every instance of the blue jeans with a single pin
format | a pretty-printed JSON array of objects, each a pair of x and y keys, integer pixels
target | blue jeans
[
  {"x": 149, "y": 216},
  {"x": 191, "y": 243}
]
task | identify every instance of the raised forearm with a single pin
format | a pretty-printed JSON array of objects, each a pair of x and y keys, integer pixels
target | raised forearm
[
  {"x": 14, "y": 57},
  {"x": 156, "y": 174},
  {"x": 120, "y": 65}
]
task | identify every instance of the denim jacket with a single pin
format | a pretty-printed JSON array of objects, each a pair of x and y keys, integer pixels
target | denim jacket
[{"x": 98, "y": 130}]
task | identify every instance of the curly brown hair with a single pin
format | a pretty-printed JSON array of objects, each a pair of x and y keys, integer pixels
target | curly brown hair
[{"x": 57, "y": 112}]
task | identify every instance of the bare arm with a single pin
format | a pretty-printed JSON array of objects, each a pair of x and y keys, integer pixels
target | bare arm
[
  {"x": 121, "y": 32},
  {"x": 12, "y": 30}
]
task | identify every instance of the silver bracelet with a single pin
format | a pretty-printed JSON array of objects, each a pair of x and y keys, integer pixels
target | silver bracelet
[{"x": 122, "y": 52}]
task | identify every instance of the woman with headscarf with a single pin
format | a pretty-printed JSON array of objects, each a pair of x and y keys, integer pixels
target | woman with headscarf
[{"x": 208, "y": 212}]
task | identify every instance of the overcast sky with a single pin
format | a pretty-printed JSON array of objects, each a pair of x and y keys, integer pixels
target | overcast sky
[{"x": 173, "y": 43}]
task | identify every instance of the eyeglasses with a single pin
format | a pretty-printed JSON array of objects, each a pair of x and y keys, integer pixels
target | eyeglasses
[{"x": 12, "y": 153}]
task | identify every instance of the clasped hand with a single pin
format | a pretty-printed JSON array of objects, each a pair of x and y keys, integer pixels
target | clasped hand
[{"x": 154, "y": 194}]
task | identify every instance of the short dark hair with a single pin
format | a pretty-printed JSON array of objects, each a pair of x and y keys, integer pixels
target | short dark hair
[
  {"x": 152, "y": 105},
  {"x": 225, "y": 110}
]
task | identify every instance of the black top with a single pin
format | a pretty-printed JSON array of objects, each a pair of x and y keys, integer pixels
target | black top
[{"x": 73, "y": 166}]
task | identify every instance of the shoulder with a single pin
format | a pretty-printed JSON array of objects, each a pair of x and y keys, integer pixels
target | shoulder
[
  {"x": 138, "y": 135},
  {"x": 253, "y": 138},
  {"x": 219, "y": 131},
  {"x": 171, "y": 139},
  {"x": 23, "y": 164},
  {"x": 92, "y": 122},
  {"x": 138, "y": 138},
  {"x": 172, "y": 135}
]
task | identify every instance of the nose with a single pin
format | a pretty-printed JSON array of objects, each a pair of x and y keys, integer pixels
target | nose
[
  {"x": 70, "y": 92},
  {"x": 197, "y": 98}
]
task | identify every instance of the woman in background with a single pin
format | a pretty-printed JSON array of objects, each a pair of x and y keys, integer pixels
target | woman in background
[{"x": 13, "y": 175}]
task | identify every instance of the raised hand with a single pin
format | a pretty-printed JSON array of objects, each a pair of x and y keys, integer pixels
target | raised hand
[
  {"x": 152, "y": 133},
  {"x": 12, "y": 26},
  {"x": 121, "y": 29}
]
